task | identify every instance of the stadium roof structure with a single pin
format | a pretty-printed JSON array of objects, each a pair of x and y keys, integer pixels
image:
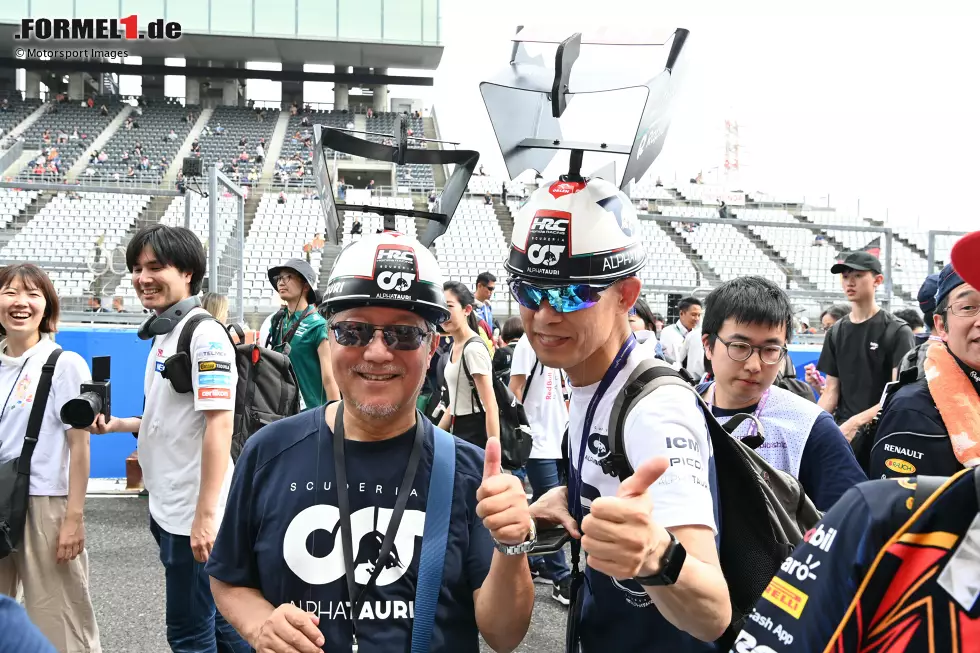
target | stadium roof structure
[
  {"x": 526, "y": 100},
  {"x": 343, "y": 140}
]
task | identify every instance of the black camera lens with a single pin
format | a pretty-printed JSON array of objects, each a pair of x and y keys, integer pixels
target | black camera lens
[{"x": 81, "y": 411}]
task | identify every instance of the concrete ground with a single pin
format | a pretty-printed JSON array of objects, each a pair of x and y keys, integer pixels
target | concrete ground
[{"x": 128, "y": 586}]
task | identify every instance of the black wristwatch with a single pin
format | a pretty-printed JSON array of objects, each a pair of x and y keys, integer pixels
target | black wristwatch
[{"x": 671, "y": 564}]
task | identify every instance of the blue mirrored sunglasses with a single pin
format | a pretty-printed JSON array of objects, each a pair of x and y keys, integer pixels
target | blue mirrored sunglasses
[{"x": 562, "y": 299}]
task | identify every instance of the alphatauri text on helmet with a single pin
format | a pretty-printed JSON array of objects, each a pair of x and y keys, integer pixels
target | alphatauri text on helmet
[{"x": 620, "y": 259}]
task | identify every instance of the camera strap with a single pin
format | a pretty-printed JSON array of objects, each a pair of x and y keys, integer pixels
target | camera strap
[
  {"x": 37, "y": 412},
  {"x": 343, "y": 505}
]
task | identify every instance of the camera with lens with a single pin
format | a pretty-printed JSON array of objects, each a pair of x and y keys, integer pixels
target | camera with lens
[{"x": 94, "y": 398}]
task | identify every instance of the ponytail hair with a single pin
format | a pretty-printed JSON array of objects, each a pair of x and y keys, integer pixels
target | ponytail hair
[{"x": 466, "y": 299}]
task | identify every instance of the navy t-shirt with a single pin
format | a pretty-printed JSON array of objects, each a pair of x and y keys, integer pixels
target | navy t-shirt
[
  {"x": 281, "y": 534},
  {"x": 828, "y": 467}
]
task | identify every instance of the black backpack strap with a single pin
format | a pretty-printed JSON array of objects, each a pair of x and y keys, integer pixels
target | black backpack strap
[
  {"x": 274, "y": 326},
  {"x": 37, "y": 413},
  {"x": 530, "y": 375},
  {"x": 187, "y": 334},
  {"x": 474, "y": 395},
  {"x": 925, "y": 487}
]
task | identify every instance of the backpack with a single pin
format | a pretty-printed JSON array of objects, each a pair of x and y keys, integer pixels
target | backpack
[
  {"x": 502, "y": 358},
  {"x": 267, "y": 388},
  {"x": 864, "y": 440},
  {"x": 515, "y": 430},
  {"x": 764, "y": 511}
]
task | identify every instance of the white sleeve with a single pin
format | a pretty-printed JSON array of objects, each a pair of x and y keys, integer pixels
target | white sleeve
[
  {"x": 668, "y": 422},
  {"x": 69, "y": 374},
  {"x": 478, "y": 360},
  {"x": 214, "y": 373},
  {"x": 523, "y": 359}
]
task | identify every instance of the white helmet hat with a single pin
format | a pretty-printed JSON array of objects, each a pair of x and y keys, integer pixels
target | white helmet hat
[
  {"x": 387, "y": 269},
  {"x": 576, "y": 232}
]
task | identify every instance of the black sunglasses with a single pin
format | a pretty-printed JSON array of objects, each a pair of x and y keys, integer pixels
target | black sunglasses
[{"x": 402, "y": 337}]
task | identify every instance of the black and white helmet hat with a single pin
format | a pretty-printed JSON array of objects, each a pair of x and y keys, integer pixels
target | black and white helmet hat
[{"x": 387, "y": 269}]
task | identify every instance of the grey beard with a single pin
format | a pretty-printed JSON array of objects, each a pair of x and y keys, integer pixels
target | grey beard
[{"x": 375, "y": 411}]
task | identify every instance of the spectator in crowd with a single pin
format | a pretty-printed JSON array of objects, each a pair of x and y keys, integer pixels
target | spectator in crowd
[
  {"x": 486, "y": 283},
  {"x": 863, "y": 350},
  {"x": 488, "y": 199},
  {"x": 172, "y": 135},
  {"x": 504, "y": 355},
  {"x": 723, "y": 211},
  {"x": 642, "y": 321},
  {"x": 472, "y": 413},
  {"x": 263, "y": 562},
  {"x": 542, "y": 391},
  {"x": 5, "y": 105},
  {"x": 819, "y": 240},
  {"x": 300, "y": 332},
  {"x": 644, "y": 205},
  {"x": 259, "y": 153},
  {"x": 927, "y": 303},
  {"x": 913, "y": 319},
  {"x": 672, "y": 337},
  {"x": 658, "y": 324},
  {"x": 355, "y": 228},
  {"x": 117, "y": 304},
  {"x": 747, "y": 324},
  {"x": 831, "y": 315},
  {"x": 217, "y": 305},
  {"x": 282, "y": 197},
  {"x": 243, "y": 142},
  {"x": 219, "y": 129},
  {"x": 370, "y": 185},
  {"x": 95, "y": 305},
  {"x": 945, "y": 401},
  {"x": 184, "y": 441},
  {"x": 692, "y": 352},
  {"x": 50, "y": 561}
]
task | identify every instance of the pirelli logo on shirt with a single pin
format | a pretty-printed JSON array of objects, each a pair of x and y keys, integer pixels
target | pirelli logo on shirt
[
  {"x": 786, "y": 597},
  {"x": 213, "y": 366},
  {"x": 213, "y": 393}
]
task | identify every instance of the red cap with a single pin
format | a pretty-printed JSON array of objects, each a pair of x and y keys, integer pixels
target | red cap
[{"x": 966, "y": 258}]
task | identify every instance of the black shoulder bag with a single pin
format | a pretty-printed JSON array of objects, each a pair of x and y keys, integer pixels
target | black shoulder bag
[{"x": 15, "y": 475}]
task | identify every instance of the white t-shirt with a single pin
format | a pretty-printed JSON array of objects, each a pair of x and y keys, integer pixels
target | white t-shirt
[
  {"x": 172, "y": 432},
  {"x": 672, "y": 340},
  {"x": 477, "y": 362},
  {"x": 693, "y": 351},
  {"x": 667, "y": 422},
  {"x": 49, "y": 464},
  {"x": 543, "y": 402},
  {"x": 265, "y": 329}
]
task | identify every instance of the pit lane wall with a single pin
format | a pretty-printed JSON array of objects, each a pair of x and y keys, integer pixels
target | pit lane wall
[{"x": 129, "y": 354}]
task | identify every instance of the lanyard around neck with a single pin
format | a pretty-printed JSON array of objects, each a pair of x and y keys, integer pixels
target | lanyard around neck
[
  {"x": 575, "y": 477},
  {"x": 753, "y": 426}
]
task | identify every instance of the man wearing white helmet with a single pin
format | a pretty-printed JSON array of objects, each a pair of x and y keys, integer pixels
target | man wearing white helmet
[
  {"x": 359, "y": 524},
  {"x": 653, "y": 579}
]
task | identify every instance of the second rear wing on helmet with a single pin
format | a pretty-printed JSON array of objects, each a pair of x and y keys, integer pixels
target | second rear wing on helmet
[
  {"x": 400, "y": 153},
  {"x": 526, "y": 100}
]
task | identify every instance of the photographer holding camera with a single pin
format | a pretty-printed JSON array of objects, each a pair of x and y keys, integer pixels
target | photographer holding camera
[
  {"x": 44, "y": 548},
  {"x": 184, "y": 434}
]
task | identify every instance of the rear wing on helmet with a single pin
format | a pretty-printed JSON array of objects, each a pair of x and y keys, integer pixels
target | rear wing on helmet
[
  {"x": 526, "y": 99},
  {"x": 343, "y": 140}
]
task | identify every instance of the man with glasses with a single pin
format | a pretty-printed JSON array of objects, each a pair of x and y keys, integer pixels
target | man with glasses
[
  {"x": 747, "y": 323},
  {"x": 932, "y": 426},
  {"x": 359, "y": 526},
  {"x": 653, "y": 581},
  {"x": 300, "y": 332}
]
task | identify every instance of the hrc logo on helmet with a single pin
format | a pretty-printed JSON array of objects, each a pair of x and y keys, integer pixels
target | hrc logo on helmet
[
  {"x": 550, "y": 225},
  {"x": 402, "y": 255}
]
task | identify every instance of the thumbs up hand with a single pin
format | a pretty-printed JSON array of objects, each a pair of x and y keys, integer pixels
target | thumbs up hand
[
  {"x": 619, "y": 534},
  {"x": 502, "y": 502}
]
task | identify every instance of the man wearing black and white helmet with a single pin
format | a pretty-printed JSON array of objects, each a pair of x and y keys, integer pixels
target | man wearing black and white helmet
[
  {"x": 359, "y": 523},
  {"x": 654, "y": 582}
]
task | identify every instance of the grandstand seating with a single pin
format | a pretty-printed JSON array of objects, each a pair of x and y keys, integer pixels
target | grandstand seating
[
  {"x": 12, "y": 202},
  {"x": 236, "y": 122},
  {"x": 65, "y": 117},
  {"x": 154, "y": 125},
  {"x": 666, "y": 265},
  {"x": 474, "y": 243},
  {"x": 483, "y": 184},
  {"x": 278, "y": 233},
  {"x": 15, "y": 112},
  {"x": 649, "y": 190},
  {"x": 295, "y": 153},
  {"x": 412, "y": 176},
  {"x": 63, "y": 236}
]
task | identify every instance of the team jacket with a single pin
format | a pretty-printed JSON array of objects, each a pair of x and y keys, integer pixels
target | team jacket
[{"x": 874, "y": 577}]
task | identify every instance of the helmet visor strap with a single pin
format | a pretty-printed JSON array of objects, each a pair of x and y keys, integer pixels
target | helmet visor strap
[{"x": 562, "y": 299}]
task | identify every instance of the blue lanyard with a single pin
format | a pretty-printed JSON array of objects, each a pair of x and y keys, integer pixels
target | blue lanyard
[{"x": 575, "y": 477}]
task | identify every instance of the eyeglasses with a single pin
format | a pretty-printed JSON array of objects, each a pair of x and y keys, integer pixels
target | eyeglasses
[
  {"x": 965, "y": 308},
  {"x": 283, "y": 278},
  {"x": 562, "y": 299},
  {"x": 742, "y": 351},
  {"x": 401, "y": 337}
]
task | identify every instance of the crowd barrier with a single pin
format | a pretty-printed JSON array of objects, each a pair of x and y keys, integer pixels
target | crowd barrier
[{"x": 129, "y": 353}]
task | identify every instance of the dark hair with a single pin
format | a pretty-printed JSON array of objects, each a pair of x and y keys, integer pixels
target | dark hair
[
  {"x": 485, "y": 278},
  {"x": 642, "y": 310},
  {"x": 837, "y": 311},
  {"x": 911, "y": 316},
  {"x": 688, "y": 302},
  {"x": 748, "y": 300},
  {"x": 941, "y": 309},
  {"x": 513, "y": 329},
  {"x": 465, "y": 298},
  {"x": 174, "y": 246},
  {"x": 36, "y": 279}
]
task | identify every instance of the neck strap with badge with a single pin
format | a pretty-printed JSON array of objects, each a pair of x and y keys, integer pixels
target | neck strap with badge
[{"x": 164, "y": 323}]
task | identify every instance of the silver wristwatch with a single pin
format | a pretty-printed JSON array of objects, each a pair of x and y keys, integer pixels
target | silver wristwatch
[{"x": 523, "y": 547}]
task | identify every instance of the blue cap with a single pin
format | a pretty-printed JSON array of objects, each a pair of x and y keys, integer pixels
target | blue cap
[
  {"x": 948, "y": 281},
  {"x": 927, "y": 294}
]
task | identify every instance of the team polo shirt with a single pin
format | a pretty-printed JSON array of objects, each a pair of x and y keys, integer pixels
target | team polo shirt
[
  {"x": 619, "y": 615},
  {"x": 281, "y": 534},
  {"x": 171, "y": 435},
  {"x": 303, "y": 354},
  {"x": 19, "y": 377}
]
